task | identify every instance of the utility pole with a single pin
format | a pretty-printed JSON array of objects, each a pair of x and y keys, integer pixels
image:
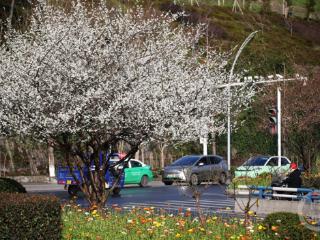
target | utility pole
[
  {"x": 265, "y": 82},
  {"x": 279, "y": 124}
]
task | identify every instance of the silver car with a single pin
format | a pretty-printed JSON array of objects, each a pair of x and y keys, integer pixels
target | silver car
[{"x": 195, "y": 169}]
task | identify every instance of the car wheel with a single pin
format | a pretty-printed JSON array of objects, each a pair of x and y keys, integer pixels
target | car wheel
[
  {"x": 144, "y": 181},
  {"x": 116, "y": 191},
  {"x": 223, "y": 178},
  {"x": 168, "y": 182},
  {"x": 194, "y": 180},
  {"x": 73, "y": 190}
]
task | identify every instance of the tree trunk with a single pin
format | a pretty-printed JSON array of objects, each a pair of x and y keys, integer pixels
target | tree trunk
[
  {"x": 8, "y": 146},
  {"x": 32, "y": 163},
  {"x": 214, "y": 148},
  {"x": 162, "y": 155},
  {"x": 52, "y": 172},
  {"x": 150, "y": 158},
  {"x": 142, "y": 153},
  {"x": 137, "y": 155}
]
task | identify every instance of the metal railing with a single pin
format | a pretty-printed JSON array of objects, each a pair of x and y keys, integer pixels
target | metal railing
[{"x": 262, "y": 192}]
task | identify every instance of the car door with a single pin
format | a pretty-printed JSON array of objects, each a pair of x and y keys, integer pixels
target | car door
[
  {"x": 202, "y": 169},
  {"x": 133, "y": 172},
  {"x": 271, "y": 166},
  {"x": 285, "y": 165},
  {"x": 215, "y": 167}
]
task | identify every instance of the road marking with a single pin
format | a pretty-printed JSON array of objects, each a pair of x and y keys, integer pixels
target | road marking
[{"x": 205, "y": 205}]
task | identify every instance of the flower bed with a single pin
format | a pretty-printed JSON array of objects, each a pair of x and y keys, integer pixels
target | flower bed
[{"x": 147, "y": 223}]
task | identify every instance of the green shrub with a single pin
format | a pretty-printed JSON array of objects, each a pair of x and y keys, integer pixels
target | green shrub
[
  {"x": 261, "y": 180},
  {"x": 10, "y": 185},
  {"x": 286, "y": 225},
  {"x": 311, "y": 181},
  {"x": 25, "y": 216}
]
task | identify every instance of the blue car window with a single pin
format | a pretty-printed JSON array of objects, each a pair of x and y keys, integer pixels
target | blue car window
[
  {"x": 256, "y": 161},
  {"x": 273, "y": 162},
  {"x": 135, "y": 164},
  {"x": 185, "y": 161},
  {"x": 284, "y": 161}
]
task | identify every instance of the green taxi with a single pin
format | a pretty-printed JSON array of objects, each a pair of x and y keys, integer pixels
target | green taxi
[
  {"x": 137, "y": 172},
  {"x": 258, "y": 165}
]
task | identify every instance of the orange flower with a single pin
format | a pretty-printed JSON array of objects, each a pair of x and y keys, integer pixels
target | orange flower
[
  {"x": 143, "y": 220},
  {"x": 118, "y": 209},
  {"x": 244, "y": 238},
  {"x": 187, "y": 214},
  {"x": 93, "y": 207},
  {"x": 274, "y": 228}
]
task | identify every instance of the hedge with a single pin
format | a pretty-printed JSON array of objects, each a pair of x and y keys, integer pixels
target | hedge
[
  {"x": 26, "y": 216},
  {"x": 10, "y": 185},
  {"x": 286, "y": 225},
  {"x": 311, "y": 181}
]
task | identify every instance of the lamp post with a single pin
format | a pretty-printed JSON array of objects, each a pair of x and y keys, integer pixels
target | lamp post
[
  {"x": 246, "y": 41},
  {"x": 279, "y": 124}
]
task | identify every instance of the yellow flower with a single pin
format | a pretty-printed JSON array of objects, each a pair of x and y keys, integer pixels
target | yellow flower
[
  {"x": 201, "y": 229},
  {"x": 191, "y": 230},
  {"x": 157, "y": 224},
  {"x": 94, "y": 212},
  {"x": 178, "y": 235},
  {"x": 251, "y": 213},
  {"x": 261, "y": 228}
]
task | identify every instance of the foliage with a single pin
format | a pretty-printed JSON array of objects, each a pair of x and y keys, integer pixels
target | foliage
[
  {"x": 261, "y": 180},
  {"x": 148, "y": 223},
  {"x": 24, "y": 216},
  {"x": 278, "y": 46},
  {"x": 86, "y": 79},
  {"x": 249, "y": 138},
  {"x": 300, "y": 118},
  {"x": 285, "y": 225},
  {"x": 311, "y": 181},
  {"x": 11, "y": 186}
]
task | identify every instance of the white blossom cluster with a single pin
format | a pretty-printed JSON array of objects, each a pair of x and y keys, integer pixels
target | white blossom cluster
[{"x": 111, "y": 72}]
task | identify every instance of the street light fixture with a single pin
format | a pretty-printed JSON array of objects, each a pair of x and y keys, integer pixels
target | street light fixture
[{"x": 246, "y": 41}]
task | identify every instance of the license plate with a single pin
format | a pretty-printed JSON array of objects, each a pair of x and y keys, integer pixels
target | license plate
[
  {"x": 171, "y": 175},
  {"x": 68, "y": 181}
]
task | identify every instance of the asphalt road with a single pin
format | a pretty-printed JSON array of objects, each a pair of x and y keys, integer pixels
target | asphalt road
[{"x": 157, "y": 195}]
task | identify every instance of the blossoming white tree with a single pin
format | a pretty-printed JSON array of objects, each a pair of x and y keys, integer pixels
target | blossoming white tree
[{"x": 87, "y": 79}]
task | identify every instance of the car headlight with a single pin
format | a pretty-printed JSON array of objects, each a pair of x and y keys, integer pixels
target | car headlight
[{"x": 182, "y": 176}]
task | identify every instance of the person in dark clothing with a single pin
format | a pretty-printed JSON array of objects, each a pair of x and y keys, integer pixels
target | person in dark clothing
[{"x": 294, "y": 178}]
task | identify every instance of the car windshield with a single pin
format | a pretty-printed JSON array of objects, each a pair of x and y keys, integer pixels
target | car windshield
[
  {"x": 256, "y": 161},
  {"x": 185, "y": 161}
]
